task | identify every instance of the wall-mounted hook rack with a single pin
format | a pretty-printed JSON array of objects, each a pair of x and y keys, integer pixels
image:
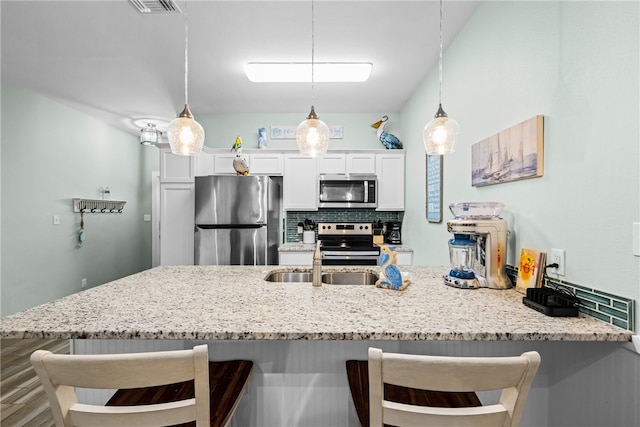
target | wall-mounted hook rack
[{"x": 98, "y": 206}]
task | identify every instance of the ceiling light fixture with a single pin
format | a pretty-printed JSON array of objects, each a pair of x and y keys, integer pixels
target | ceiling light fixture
[
  {"x": 150, "y": 135},
  {"x": 185, "y": 135},
  {"x": 440, "y": 134},
  {"x": 299, "y": 72},
  {"x": 312, "y": 135}
]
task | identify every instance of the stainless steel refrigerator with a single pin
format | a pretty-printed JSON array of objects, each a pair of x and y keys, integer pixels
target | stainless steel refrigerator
[{"x": 237, "y": 220}]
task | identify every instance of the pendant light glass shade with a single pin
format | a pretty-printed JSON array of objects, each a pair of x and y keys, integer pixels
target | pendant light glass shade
[
  {"x": 150, "y": 135},
  {"x": 185, "y": 135},
  {"x": 312, "y": 136},
  {"x": 440, "y": 134}
]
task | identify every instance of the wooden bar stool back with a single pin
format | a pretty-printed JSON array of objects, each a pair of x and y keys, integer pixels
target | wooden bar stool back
[
  {"x": 512, "y": 375},
  {"x": 155, "y": 388}
]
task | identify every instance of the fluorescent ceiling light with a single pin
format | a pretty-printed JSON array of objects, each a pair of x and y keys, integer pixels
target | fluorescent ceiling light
[{"x": 300, "y": 72}]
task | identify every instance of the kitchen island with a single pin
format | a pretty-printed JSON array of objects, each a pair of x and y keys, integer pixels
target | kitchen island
[{"x": 299, "y": 336}]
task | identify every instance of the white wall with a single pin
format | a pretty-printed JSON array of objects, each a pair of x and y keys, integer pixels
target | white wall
[
  {"x": 51, "y": 154},
  {"x": 577, "y": 63}
]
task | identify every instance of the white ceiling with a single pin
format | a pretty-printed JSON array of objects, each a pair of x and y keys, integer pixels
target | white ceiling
[{"x": 107, "y": 59}]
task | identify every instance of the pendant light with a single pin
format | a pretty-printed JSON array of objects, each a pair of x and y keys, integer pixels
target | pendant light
[
  {"x": 185, "y": 135},
  {"x": 312, "y": 135},
  {"x": 440, "y": 134}
]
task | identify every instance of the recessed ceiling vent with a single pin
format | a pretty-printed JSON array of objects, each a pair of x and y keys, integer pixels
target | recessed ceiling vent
[{"x": 156, "y": 6}]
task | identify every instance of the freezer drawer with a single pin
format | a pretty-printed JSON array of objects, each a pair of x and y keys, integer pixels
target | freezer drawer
[{"x": 230, "y": 246}]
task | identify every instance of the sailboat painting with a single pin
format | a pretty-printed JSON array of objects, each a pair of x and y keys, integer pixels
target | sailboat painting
[{"x": 513, "y": 154}]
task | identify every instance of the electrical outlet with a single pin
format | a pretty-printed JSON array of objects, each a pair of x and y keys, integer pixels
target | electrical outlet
[
  {"x": 557, "y": 257},
  {"x": 84, "y": 283}
]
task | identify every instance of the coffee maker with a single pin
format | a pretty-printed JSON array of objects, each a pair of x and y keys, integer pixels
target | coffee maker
[
  {"x": 478, "y": 248},
  {"x": 392, "y": 234}
]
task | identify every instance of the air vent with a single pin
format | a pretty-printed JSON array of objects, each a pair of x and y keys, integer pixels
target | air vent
[{"x": 156, "y": 6}]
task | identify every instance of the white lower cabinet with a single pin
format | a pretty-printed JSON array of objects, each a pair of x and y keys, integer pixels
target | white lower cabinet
[
  {"x": 177, "y": 204},
  {"x": 300, "y": 183},
  {"x": 296, "y": 258}
]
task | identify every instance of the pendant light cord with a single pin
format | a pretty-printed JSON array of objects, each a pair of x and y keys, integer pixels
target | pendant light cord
[
  {"x": 186, "y": 53},
  {"x": 313, "y": 53},
  {"x": 440, "y": 61}
]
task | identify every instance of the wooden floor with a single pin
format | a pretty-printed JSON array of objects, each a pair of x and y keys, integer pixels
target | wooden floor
[{"x": 22, "y": 397}]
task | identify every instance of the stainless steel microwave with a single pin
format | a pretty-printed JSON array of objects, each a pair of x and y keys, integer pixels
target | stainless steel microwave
[{"x": 347, "y": 191}]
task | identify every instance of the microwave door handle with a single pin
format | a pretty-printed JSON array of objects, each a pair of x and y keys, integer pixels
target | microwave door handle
[{"x": 366, "y": 191}]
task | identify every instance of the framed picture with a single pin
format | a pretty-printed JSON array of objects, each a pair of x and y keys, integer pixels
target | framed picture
[
  {"x": 434, "y": 188},
  {"x": 513, "y": 154},
  {"x": 283, "y": 132}
]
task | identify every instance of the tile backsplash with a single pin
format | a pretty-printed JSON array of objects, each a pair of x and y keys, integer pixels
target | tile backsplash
[
  {"x": 614, "y": 309},
  {"x": 334, "y": 215}
]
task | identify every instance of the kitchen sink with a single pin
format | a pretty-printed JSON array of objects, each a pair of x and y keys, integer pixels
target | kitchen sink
[
  {"x": 289, "y": 276},
  {"x": 350, "y": 278},
  {"x": 328, "y": 278}
]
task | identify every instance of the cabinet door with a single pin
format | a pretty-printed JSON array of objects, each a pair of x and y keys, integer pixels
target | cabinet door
[
  {"x": 177, "y": 205},
  {"x": 204, "y": 164},
  {"x": 296, "y": 258},
  {"x": 361, "y": 163},
  {"x": 223, "y": 163},
  {"x": 390, "y": 171},
  {"x": 300, "y": 183},
  {"x": 332, "y": 164},
  {"x": 174, "y": 168},
  {"x": 266, "y": 164}
]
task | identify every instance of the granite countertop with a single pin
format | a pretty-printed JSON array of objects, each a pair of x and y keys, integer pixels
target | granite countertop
[
  {"x": 310, "y": 247},
  {"x": 235, "y": 303}
]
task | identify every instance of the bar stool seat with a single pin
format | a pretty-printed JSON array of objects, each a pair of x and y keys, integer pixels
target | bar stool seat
[{"x": 228, "y": 381}]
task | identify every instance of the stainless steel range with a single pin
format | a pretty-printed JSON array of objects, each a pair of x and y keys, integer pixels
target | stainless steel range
[{"x": 347, "y": 243}]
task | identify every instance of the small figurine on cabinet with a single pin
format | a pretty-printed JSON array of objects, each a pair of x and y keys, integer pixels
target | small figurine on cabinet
[
  {"x": 388, "y": 140},
  {"x": 390, "y": 274},
  {"x": 262, "y": 139},
  {"x": 239, "y": 163}
]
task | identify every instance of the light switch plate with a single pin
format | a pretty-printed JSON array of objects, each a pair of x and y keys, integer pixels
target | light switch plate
[
  {"x": 636, "y": 238},
  {"x": 146, "y": 217}
]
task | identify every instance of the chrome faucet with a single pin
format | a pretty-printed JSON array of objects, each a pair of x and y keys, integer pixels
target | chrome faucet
[{"x": 317, "y": 266}]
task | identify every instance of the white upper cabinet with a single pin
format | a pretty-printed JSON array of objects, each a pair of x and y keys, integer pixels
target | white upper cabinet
[
  {"x": 204, "y": 164},
  {"x": 300, "y": 183},
  {"x": 223, "y": 163},
  {"x": 390, "y": 172},
  {"x": 332, "y": 164},
  {"x": 361, "y": 163},
  {"x": 174, "y": 168},
  {"x": 266, "y": 163}
]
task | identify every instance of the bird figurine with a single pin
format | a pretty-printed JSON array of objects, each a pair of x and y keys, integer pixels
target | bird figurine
[
  {"x": 388, "y": 140},
  {"x": 390, "y": 274},
  {"x": 239, "y": 163}
]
